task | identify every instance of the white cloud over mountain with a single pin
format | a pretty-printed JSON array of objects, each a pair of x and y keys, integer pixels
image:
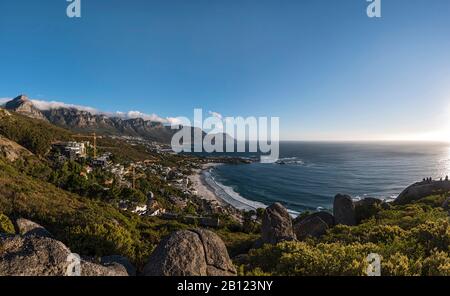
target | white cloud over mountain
[{"x": 49, "y": 105}]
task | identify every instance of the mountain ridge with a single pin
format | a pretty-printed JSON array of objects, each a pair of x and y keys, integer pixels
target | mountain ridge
[{"x": 86, "y": 121}]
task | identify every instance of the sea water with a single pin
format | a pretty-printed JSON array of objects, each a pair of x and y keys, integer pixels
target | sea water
[{"x": 309, "y": 175}]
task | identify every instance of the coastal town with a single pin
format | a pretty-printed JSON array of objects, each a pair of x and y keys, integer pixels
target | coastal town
[{"x": 185, "y": 183}]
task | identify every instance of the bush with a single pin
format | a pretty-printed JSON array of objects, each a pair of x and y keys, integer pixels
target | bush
[
  {"x": 6, "y": 226},
  {"x": 438, "y": 264},
  {"x": 306, "y": 259}
]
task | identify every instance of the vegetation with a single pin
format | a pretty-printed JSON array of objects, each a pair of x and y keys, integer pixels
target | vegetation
[
  {"x": 80, "y": 210},
  {"x": 412, "y": 240},
  {"x": 6, "y": 225},
  {"x": 33, "y": 134}
]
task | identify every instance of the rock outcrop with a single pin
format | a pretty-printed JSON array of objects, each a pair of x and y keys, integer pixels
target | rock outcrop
[
  {"x": 12, "y": 151},
  {"x": 368, "y": 207},
  {"x": 190, "y": 253},
  {"x": 422, "y": 189},
  {"x": 312, "y": 226},
  {"x": 24, "y": 106},
  {"x": 27, "y": 227},
  {"x": 35, "y": 253},
  {"x": 276, "y": 225},
  {"x": 344, "y": 210},
  {"x": 325, "y": 216}
]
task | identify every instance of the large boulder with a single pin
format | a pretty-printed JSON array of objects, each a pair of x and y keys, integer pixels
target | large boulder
[
  {"x": 311, "y": 226},
  {"x": 110, "y": 269},
  {"x": 35, "y": 253},
  {"x": 32, "y": 256},
  {"x": 194, "y": 252},
  {"x": 368, "y": 207},
  {"x": 422, "y": 189},
  {"x": 27, "y": 227},
  {"x": 276, "y": 225},
  {"x": 324, "y": 216},
  {"x": 344, "y": 210}
]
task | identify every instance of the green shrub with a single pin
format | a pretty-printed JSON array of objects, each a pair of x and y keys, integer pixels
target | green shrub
[
  {"x": 438, "y": 264},
  {"x": 6, "y": 226}
]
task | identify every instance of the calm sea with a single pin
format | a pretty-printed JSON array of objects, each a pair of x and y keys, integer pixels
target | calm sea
[{"x": 313, "y": 173}]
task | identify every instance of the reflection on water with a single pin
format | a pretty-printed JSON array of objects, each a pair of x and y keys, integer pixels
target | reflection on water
[{"x": 311, "y": 174}]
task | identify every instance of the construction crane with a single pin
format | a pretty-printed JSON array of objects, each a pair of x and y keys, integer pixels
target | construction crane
[
  {"x": 134, "y": 176},
  {"x": 94, "y": 137}
]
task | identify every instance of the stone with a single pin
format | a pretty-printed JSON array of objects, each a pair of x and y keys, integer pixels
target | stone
[
  {"x": 325, "y": 216},
  {"x": 420, "y": 190},
  {"x": 93, "y": 269},
  {"x": 367, "y": 208},
  {"x": 32, "y": 256},
  {"x": 36, "y": 253},
  {"x": 27, "y": 227},
  {"x": 194, "y": 252},
  {"x": 120, "y": 260},
  {"x": 276, "y": 225},
  {"x": 344, "y": 210},
  {"x": 313, "y": 226}
]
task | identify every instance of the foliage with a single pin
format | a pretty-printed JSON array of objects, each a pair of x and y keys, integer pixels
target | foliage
[
  {"x": 6, "y": 225},
  {"x": 412, "y": 240},
  {"x": 35, "y": 135}
]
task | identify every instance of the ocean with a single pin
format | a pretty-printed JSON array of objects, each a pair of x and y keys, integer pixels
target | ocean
[{"x": 313, "y": 173}]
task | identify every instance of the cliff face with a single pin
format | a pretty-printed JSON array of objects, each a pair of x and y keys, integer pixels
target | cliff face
[
  {"x": 84, "y": 121},
  {"x": 23, "y": 105}
]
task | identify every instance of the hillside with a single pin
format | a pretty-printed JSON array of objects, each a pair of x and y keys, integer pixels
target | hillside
[{"x": 34, "y": 134}]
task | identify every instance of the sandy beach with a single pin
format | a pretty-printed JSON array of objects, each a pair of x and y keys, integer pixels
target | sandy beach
[{"x": 204, "y": 190}]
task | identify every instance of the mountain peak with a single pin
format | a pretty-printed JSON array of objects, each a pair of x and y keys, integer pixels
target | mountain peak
[
  {"x": 17, "y": 102},
  {"x": 22, "y": 104}
]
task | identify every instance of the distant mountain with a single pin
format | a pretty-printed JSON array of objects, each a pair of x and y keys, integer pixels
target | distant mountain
[
  {"x": 84, "y": 121},
  {"x": 23, "y": 105}
]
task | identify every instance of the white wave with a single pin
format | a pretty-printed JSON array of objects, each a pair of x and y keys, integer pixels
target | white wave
[
  {"x": 290, "y": 160},
  {"x": 231, "y": 197}
]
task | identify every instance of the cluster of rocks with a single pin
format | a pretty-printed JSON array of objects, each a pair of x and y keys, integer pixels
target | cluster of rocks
[
  {"x": 196, "y": 252},
  {"x": 277, "y": 224},
  {"x": 34, "y": 252}
]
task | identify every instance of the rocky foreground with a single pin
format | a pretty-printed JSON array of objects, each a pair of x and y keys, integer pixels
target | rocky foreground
[{"x": 32, "y": 251}]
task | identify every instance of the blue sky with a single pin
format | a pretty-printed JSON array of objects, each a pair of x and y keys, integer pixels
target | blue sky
[{"x": 326, "y": 69}]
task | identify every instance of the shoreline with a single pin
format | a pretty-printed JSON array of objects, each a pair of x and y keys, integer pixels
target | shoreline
[{"x": 205, "y": 191}]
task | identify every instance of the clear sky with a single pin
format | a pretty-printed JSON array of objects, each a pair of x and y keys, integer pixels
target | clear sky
[{"x": 326, "y": 69}]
